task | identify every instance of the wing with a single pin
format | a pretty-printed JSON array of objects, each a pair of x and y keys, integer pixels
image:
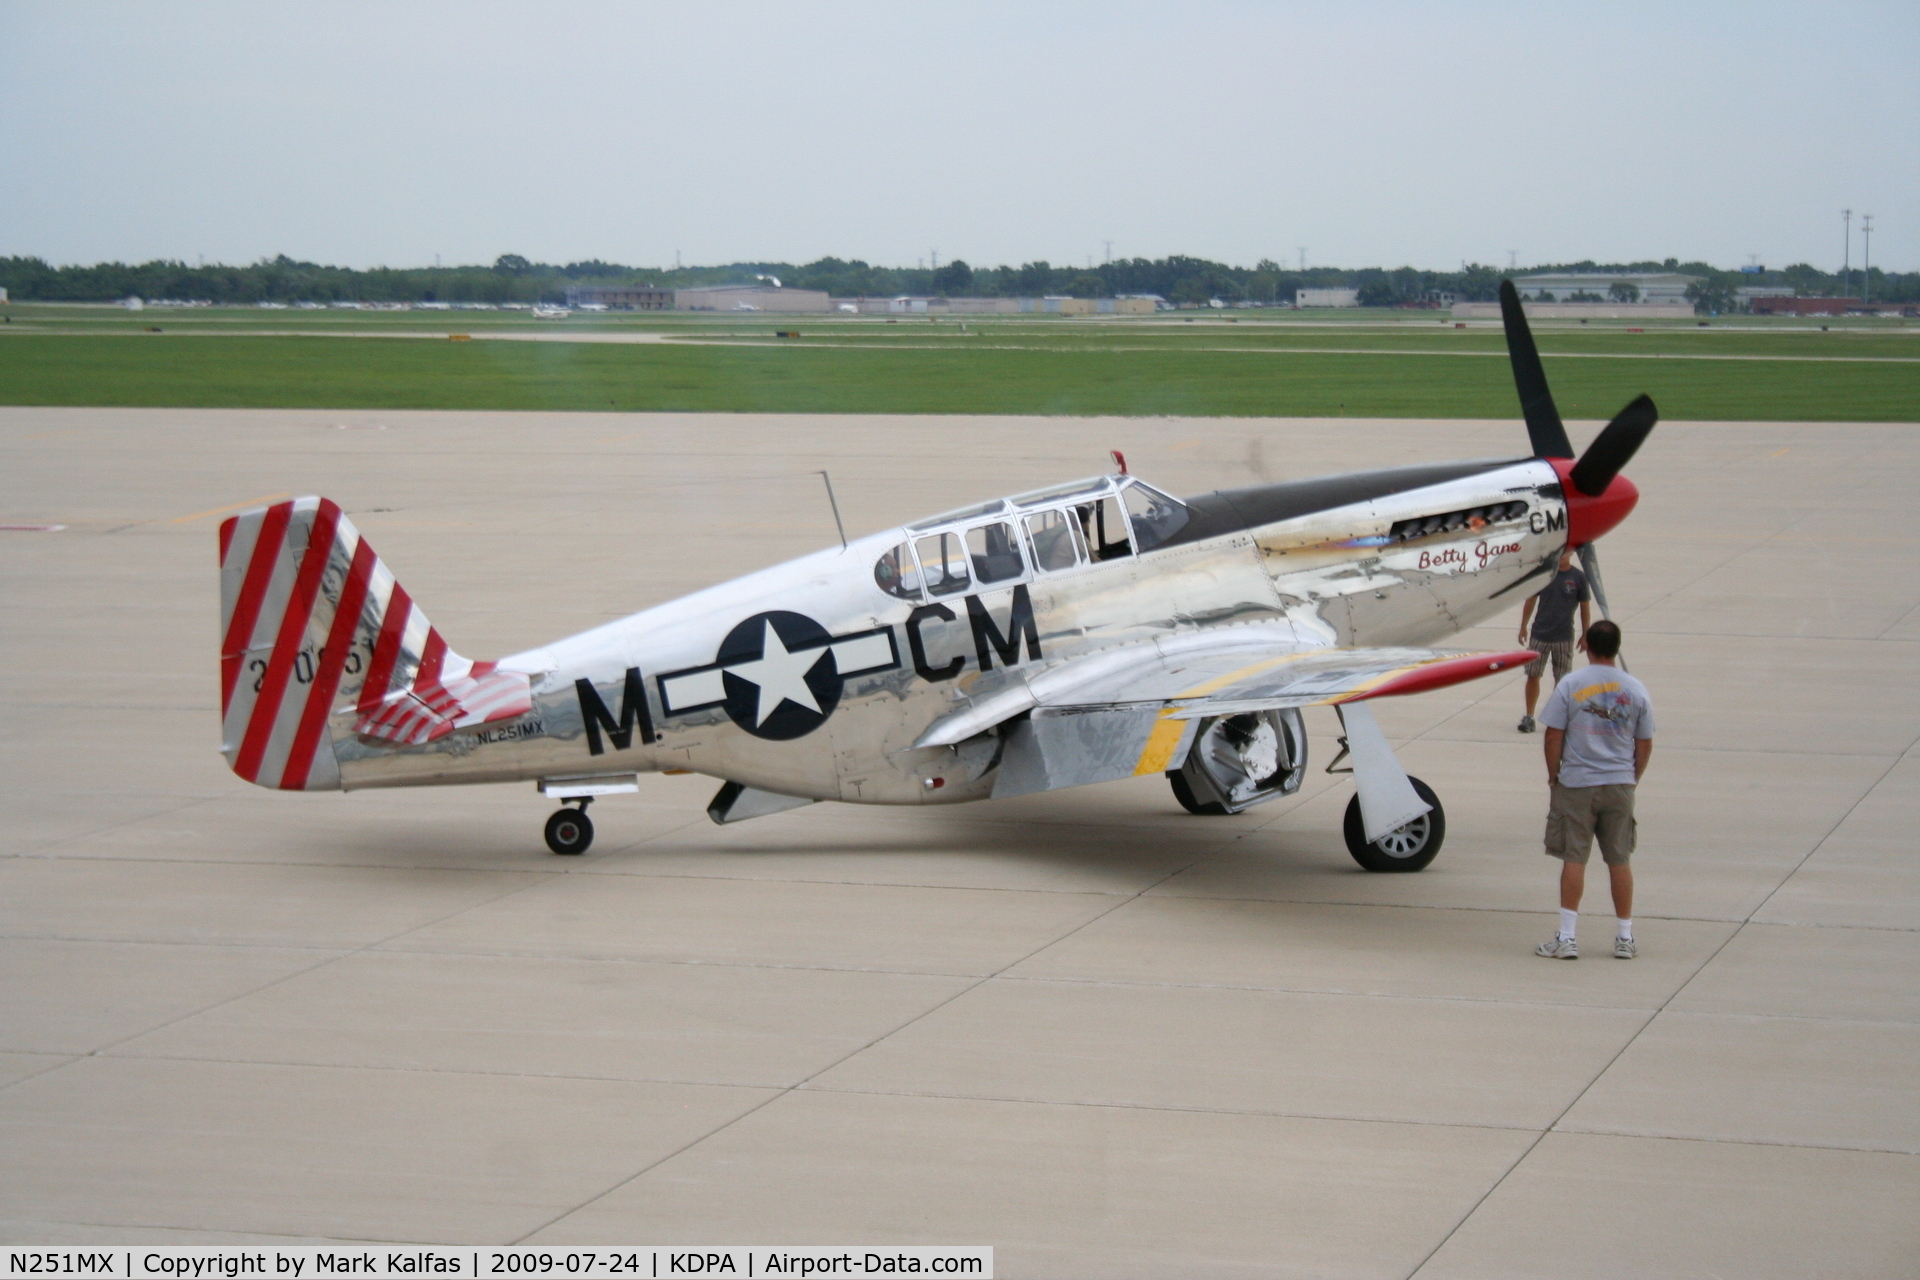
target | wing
[
  {"x": 1135, "y": 710},
  {"x": 1224, "y": 671}
]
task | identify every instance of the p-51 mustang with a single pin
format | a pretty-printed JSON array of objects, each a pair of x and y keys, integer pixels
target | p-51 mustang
[{"x": 1095, "y": 630}]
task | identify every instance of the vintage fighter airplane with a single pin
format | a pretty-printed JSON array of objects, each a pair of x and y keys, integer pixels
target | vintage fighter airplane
[{"x": 1094, "y": 630}]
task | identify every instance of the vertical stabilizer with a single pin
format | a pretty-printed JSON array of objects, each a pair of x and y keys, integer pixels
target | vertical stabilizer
[{"x": 312, "y": 622}]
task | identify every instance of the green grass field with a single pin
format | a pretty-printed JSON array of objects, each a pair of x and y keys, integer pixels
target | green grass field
[{"x": 92, "y": 356}]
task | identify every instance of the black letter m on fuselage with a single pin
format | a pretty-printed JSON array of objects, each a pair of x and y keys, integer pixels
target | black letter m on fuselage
[
  {"x": 633, "y": 709},
  {"x": 987, "y": 636}
]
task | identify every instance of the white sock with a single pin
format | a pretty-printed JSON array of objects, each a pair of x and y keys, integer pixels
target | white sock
[
  {"x": 1626, "y": 929},
  {"x": 1567, "y": 919}
]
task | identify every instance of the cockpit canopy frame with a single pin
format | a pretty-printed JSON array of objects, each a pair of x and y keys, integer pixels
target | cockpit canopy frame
[{"x": 1058, "y": 529}]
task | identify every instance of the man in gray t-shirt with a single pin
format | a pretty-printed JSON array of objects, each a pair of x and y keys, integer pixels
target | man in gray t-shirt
[
  {"x": 1599, "y": 724},
  {"x": 1553, "y": 628}
]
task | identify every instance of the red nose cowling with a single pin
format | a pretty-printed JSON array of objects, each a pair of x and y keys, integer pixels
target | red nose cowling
[{"x": 1589, "y": 518}]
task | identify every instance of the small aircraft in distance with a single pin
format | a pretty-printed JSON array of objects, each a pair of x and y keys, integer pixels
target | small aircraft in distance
[
  {"x": 545, "y": 312},
  {"x": 1094, "y": 630}
]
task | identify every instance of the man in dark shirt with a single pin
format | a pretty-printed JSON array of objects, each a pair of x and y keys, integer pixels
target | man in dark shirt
[{"x": 1553, "y": 629}]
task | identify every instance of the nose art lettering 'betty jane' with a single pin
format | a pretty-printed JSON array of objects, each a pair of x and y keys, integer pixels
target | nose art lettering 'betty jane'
[{"x": 1094, "y": 630}]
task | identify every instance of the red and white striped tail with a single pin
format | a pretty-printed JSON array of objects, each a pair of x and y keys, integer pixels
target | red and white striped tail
[{"x": 309, "y": 619}]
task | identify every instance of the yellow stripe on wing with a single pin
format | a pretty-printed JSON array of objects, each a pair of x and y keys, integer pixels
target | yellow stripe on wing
[
  {"x": 1167, "y": 731},
  {"x": 1221, "y": 682},
  {"x": 1161, "y": 744}
]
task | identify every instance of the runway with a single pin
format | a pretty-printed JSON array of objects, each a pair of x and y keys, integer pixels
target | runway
[{"x": 1098, "y": 1034}]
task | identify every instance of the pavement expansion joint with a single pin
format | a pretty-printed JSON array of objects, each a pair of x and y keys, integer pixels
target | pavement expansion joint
[{"x": 1654, "y": 1135}]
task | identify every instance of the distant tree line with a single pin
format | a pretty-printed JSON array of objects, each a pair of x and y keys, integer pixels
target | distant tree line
[{"x": 1178, "y": 278}]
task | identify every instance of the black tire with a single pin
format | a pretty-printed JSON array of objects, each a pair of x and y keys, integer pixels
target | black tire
[
  {"x": 1420, "y": 839},
  {"x": 569, "y": 831},
  {"x": 1184, "y": 794}
]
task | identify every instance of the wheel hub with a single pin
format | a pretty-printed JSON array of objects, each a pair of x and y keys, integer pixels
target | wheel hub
[{"x": 1404, "y": 842}]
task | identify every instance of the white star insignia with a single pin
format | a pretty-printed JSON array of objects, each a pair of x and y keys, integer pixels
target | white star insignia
[{"x": 781, "y": 676}]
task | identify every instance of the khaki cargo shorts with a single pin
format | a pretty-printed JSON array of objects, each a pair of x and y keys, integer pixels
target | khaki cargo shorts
[
  {"x": 1577, "y": 814},
  {"x": 1560, "y": 651}
]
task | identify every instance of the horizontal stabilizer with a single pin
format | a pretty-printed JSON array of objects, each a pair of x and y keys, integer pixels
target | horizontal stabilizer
[{"x": 434, "y": 705}]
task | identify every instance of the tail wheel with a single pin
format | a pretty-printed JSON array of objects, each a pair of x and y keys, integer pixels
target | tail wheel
[
  {"x": 1408, "y": 848},
  {"x": 569, "y": 831}
]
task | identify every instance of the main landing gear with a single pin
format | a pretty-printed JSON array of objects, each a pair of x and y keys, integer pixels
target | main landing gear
[
  {"x": 1407, "y": 848},
  {"x": 570, "y": 831},
  {"x": 1238, "y": 761}
]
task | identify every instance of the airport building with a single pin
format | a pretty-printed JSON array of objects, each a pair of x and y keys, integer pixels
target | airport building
[
  {"x": 623, "y": 297},
  {"x": 1326, "y": 297},
  {"x": 907, "y": 305},
  {"x": 1130, "y": 306},
  {"x": 1578, "y": 310},
  {"x": 1830, "y": 307},
  {"x": 750, "y": 297},
  {"x": 1650, "y": 286}
]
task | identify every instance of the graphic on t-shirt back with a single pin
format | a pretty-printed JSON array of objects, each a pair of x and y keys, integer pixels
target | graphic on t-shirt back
[{"x": 1607, "y": 701}]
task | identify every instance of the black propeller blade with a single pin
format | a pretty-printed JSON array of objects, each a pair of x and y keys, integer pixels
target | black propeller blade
[
  {"x": 1614, "y": 447},
  {"x": 1544, "y": 428}
]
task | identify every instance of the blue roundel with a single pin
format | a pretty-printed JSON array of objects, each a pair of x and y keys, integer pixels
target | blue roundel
[{"x": 780, "y": 675}]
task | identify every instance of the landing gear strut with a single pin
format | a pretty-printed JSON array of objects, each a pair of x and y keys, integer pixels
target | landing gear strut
[{"x": 570, "y": 831}]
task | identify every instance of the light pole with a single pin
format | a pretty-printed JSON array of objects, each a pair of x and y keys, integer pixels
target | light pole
[
  {"x": 1846, "y": 262},
  {"x": 1866, "y": 257}
]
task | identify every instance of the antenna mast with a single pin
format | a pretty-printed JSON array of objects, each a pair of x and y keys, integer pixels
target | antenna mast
[{"x": 835, "y": 504}]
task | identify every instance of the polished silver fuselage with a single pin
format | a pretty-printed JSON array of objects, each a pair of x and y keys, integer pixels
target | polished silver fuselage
[{"x": 1344, "y": 574}]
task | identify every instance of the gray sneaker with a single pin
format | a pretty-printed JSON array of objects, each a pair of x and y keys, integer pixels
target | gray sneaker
[
  {"x": 1558, "y": 948},
  {"x": 1526, "y": 724},
  {"x": 1623, "y": 949}
]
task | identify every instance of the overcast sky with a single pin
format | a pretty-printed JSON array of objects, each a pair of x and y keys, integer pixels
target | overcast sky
[{"x": 1370, "y": 133}]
